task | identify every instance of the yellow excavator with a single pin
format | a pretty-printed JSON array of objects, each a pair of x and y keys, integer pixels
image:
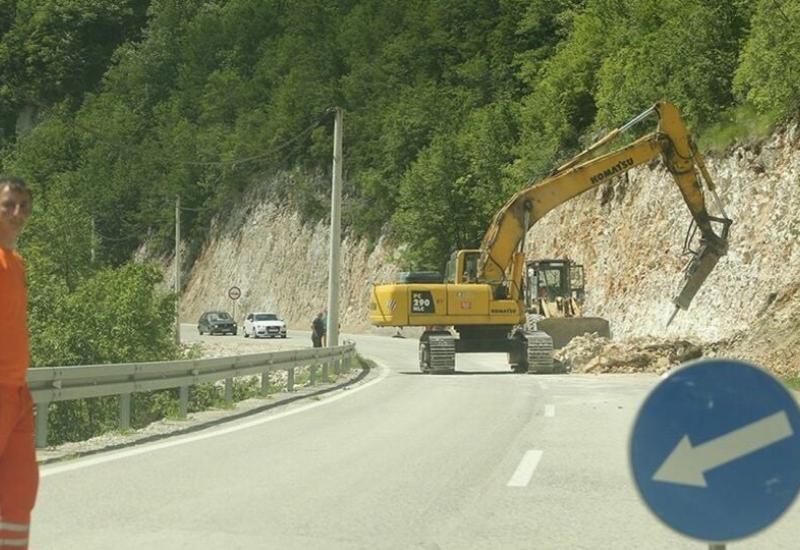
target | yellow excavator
[{"x": 483, "y": 303}]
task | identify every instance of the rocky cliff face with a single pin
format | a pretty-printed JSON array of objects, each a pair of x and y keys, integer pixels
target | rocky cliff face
[
  {"x": 281, "y": 265},
  {"x": 628, "y": 234}
]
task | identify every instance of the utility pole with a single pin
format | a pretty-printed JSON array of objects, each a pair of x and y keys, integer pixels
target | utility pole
[
  {"x": 336, "y": 202},
  {"x": 178, "y": 270}
]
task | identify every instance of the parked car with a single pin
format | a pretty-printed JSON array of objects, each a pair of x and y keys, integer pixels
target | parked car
[
  {"x": 264, "y": 324},
  {"x": 217, "y": 322}
]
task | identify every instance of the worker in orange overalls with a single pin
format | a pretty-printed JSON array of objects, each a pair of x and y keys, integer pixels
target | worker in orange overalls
[{"x": 19, "y": 473}]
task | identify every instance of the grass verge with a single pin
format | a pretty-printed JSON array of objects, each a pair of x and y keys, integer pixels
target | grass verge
[
  {"x": 739, "y": 125},
  {"x": 793, "y": 382}
]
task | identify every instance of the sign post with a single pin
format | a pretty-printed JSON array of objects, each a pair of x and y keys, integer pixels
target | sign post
[
  {"x": 234, "y": 293},
  {"x": 715, "y": 448}
]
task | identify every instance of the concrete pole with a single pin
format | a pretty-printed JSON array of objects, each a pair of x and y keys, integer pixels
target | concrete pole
[
  {"x": 178, "y": 270},
  {"x": 336, "y": 222}
]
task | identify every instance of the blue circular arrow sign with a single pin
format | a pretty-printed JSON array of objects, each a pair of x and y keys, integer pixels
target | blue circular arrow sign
[{"x": 715, "y": 450}]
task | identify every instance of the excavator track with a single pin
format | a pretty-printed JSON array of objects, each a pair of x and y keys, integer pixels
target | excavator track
[
  {"x": 540, "y": 352},
  {"x": 437, "y": 353}
]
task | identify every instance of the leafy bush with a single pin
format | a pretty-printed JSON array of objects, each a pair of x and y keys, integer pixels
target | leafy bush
[
  {"x": 112, "y": 316},
  {"x": 740, "y": 124}
]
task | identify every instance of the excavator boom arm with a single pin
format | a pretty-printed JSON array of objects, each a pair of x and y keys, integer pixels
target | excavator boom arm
[
  {"x": 671, "y": 140},
  {"x": 508, "y": 226}
]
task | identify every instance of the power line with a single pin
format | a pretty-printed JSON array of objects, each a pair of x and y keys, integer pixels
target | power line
[
  {"x": 138, "y": 227},
  {"x": 269, "y": 152}
]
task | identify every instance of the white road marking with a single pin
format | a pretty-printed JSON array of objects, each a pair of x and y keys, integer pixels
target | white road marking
[
  {"x": 524, "y": 472},
  {"x": 549, "y": 410},
  {"x": 77, "y": 464}
]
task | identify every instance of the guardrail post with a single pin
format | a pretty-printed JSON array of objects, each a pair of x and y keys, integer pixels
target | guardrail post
[
  {"x": 41, "y": 424},
  {"x": 228, "y": 391},
  {"x": 325, "y": 371},
  {"x": 124, "y": 411},
  {"x": 312, "y": 375},
  {"x": 337, "y": 366},
  {"x": 265, "y": 383},
  {"x": 290, "y": 380},
  {"x": 184, "y": 402}
]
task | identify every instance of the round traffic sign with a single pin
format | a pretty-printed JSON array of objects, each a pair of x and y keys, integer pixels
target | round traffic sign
[
  {"x": 715, "y": 448},
  {"x": 234, "y": 293}
]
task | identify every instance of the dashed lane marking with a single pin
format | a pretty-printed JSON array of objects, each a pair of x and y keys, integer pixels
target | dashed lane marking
[
  {"x": 549, "y": 410},
  {"x": 524, "y": 472}
]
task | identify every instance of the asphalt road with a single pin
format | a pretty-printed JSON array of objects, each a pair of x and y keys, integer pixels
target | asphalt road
[{"x": 480, "y": 459}]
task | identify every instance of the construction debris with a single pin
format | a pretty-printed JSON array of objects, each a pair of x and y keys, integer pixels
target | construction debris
[{"x": 594, "y": 354}]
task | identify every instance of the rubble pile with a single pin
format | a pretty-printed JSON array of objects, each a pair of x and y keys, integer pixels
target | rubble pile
[{"x": 594, "y": 354}]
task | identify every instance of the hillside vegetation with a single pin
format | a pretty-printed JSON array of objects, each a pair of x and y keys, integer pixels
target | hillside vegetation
[{"x": 112, "y": 108}]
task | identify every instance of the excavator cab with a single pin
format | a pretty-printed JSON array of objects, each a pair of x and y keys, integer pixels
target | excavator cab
[{"x": 462, "y": 267}]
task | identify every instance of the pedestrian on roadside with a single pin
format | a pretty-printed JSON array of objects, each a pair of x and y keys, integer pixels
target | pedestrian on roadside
[
  {"x": 19, "y": 472},
  {"x": 318, "y": 330},
  {"x": 324, "y": 337}
]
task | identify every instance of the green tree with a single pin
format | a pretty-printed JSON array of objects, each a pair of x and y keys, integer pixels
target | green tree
[
  {"x": 67, "y": 45},
  {"x": 692, "y": 65},
  {"x": 769, "y": 73},
  {"x": 561, "y": 104},
  {"x": 450, "y": 194}
]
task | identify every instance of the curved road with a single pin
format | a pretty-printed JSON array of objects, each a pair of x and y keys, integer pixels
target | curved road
[{"x": 480, "y": 459}]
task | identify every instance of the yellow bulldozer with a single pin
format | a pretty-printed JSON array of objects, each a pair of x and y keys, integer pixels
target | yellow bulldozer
[
  {"x": 487, "y": 299},
  {"x": 554, "y": 297}
]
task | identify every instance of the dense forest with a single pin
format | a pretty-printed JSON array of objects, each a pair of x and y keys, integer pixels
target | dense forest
[{"x": 112, "y": 108}]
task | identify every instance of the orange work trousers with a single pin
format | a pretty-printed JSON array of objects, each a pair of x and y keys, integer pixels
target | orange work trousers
[{"x": 19, "y": 472}]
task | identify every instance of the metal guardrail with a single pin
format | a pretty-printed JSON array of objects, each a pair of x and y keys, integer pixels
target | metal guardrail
[{"x": 49, "y": 384}]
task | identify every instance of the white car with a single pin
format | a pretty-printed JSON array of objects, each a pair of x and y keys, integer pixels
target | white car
[{"x": 264, "y": 324}]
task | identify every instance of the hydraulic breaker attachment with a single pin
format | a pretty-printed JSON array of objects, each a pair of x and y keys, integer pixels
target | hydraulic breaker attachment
[{"x": 699, "y": 268}]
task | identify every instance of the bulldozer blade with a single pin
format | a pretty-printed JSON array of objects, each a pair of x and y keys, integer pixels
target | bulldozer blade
[{"x": 564, "y": 329}]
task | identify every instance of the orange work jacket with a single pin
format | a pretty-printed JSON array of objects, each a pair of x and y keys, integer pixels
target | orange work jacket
[{"x": 14, "y": 351}]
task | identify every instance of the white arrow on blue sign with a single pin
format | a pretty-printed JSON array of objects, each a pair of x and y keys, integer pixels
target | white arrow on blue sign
[{"x": 715, "y": 450}]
